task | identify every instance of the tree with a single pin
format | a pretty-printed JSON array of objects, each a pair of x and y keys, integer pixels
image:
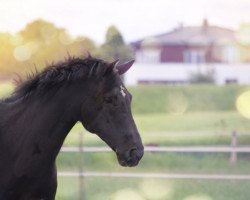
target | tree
[
  {"x": 81, "y": 45},
  {"x": 6, "y": 52},
  {"x": 115, "y": 47},
  {"x": 40, "y": 31},
  {"x": 49, "y": 43}
]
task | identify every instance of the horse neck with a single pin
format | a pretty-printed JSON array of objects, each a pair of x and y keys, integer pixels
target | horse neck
[{"x": 43, "y": 123}]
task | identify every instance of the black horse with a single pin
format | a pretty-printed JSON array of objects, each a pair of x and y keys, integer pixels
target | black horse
[{"x": 37, "y": 117}]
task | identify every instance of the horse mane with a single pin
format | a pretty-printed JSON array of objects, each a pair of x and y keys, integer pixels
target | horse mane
[{"x": 55, "y": 75}]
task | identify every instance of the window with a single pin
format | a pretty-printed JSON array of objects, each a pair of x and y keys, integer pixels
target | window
[
  {"x": 194, "y": 56},
  {"x": 148, "y": 56},
  {"x": 230, "y": 54}
]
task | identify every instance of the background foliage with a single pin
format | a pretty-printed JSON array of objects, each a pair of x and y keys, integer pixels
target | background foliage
[{"x": 41, "y": 42}]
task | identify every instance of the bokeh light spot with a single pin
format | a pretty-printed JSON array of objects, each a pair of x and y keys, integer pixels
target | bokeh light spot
[
  {"x": 244, "y": 33},
  {"x": 6, "y": 88},
  {"x": 156, "y": 189},
  {"x": 48, "y": 32},
  {"x": 22, "y": 53},
  {"x": 177, "y": 104},
  {"x": 198, "y": 197},
  {"x": 243, "y": 104},
  {"x": 127, "y": 194}
]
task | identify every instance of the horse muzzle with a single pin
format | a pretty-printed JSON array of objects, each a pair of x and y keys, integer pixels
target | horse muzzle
[{"x": 130, "y": 158}]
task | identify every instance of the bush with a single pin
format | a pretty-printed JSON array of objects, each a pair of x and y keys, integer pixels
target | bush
[{"x": 202, "y": 77}]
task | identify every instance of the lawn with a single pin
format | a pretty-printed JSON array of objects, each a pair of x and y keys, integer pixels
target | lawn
[
  {"x": 187, "y": 126},
  {"x": 166, "y": 116},
  {"x": 214, "y": 163},
  {"x": 179, "y": 99},
  {"x": 153, "y": 189},
  {"x": 193, "y": 128},
  {"x": 196, "y": 128}
]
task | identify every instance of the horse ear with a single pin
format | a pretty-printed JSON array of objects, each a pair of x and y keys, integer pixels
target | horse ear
[
  {"x": 123, "y": 68},
  {"x": 114, "y": 64},
  {"x": 97, "y": 69},
  {"x": 111, "y": 67}
]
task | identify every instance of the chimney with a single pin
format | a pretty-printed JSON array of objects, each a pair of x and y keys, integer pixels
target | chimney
[
  {"x": 179, "y": 27},
  {"x": 205, "y": 25}
]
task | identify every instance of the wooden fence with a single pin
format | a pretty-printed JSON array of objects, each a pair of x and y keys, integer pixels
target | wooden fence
[{"x": 233, "y": 149}]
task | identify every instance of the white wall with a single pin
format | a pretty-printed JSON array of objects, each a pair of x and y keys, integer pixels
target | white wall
[{"x": 181, "y": 72}]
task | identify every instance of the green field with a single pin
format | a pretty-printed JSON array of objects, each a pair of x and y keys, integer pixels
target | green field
[
  {"x": 167, "y": 116},
  {"x": 154, "y": 189}
]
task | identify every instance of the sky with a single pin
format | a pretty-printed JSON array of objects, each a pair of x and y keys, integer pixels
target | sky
[{"x": 134, "y": 18}]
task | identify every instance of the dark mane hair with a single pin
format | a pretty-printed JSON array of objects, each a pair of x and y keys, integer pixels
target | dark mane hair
[{"x": 55, "y": 75}]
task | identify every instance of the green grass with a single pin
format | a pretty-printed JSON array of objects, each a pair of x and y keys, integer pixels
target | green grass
[
  {"x": 217, "y": 121},
  {"x": 189, "y": 98},
  {"x": 153, "y": 189},
  {"x": 98, "y": 188},
  {"x": 158, "y": 162},
  {"x": 199, "y": 128},
  {"x": 165, "y": 116}
]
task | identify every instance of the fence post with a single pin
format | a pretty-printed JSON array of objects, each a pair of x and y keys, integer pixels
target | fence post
[
  {"x": 234, "y": 143},
  {"x": 81, "y": 178}
]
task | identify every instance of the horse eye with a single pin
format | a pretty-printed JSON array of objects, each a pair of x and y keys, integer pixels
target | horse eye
[{"x": 108, "y": 100}]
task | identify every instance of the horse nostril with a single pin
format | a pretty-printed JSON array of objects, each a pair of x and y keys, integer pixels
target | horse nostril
[
  {"x": 130, "y": 153},
  {"x": 133, "y": 152},
  {"x": 130, "y": 157}
]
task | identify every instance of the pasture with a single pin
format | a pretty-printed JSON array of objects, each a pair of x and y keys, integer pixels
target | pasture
[{"x": 167, "y": 116}]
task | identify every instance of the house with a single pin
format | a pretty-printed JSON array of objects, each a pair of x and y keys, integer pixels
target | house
[
  {"x": 191, "y": 44},
  {"x": 176, "y": 73}
]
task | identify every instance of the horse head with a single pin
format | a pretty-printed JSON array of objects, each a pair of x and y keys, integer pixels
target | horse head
[{"x": 107, "y": 112}]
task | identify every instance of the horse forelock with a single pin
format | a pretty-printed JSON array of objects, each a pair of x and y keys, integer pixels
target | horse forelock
[{"x": 56, "y": 75}]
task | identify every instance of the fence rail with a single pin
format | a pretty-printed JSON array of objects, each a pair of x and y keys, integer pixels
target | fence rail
[
  {"x": 184, "y": 149},
  {"x": 157, "y": 175}
]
